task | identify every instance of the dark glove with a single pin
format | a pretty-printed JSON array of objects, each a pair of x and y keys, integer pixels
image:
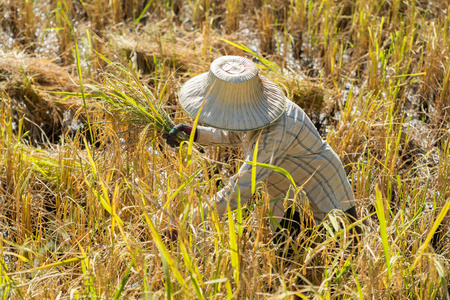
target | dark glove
[{"x": 171, "y": 137}]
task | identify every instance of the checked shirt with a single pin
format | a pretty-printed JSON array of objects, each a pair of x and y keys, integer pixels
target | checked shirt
[{"x": 294, "y": 144}]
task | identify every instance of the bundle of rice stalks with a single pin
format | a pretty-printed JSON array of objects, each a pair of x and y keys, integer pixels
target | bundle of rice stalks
[{"x": 132, "y": 105}]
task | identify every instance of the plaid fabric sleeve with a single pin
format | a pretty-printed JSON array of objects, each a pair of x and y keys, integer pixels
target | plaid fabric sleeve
[
  {"x": 208, "y": 136},
  {"x": 268, "y": 153}
]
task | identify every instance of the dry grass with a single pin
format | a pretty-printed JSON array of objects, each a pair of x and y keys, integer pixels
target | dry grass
[
  {"x": 83, "y": 218},
  {"x": 32, "y": 86}
]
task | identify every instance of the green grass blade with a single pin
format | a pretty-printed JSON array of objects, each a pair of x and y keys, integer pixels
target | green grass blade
[
  {"x": 104, "y": 196},
  {"x": 80, "y": 76},
  {"x": 239, "y": 213},
  {"x": 383, "y": 229},
  {"x": 194, "y": 127},
  {"x": 168, "y": 283},
  {"x": 233, "y": 246},
  {"x": 193, "y": 270},
  {"x": 182, "y": 186},
  {"x": 274, "y": 67},
  {"x": 51, "y": 265},
  {"x": 254, "y": 161},
  {"x": 125, "y": 278},
  {"x": 143, "y": 12},
  {"x": 276, "y": 169},
  {"x": 160, "y": 245}
]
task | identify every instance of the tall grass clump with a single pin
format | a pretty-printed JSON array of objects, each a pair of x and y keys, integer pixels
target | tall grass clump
[
  {"x": 94, "y": 204},
  {"x": 131, "y": 104}
]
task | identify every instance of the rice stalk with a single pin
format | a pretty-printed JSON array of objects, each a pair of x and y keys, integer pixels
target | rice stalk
[
  {"x": 102, "y": 196},
  {"x": 433, "y": 229},
  {"x": 164, "y": 252},
  {"x": 130, "y": 103},
  {"x": 65, "y": 34},
  {"x": 116, "y": 10},
  {"x": 234, "y": 248},
  {"x": 192, "y": 268},
  {"x": 267, "y": 27},
  {"x": 143, "y": 12},
  {"x": 125, "y": 278},
  {"x": 383, "y": 232},
  {"x": 232, "y": 16},
  {"x": 29, "y": 18}
]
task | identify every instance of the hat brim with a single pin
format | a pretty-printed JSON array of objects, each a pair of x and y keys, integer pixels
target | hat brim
[{"x": 205, "y": 99}]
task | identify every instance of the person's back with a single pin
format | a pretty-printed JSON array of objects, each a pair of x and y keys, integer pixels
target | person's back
[
  {"x": 294, "y": 144},
  {"x": 312, "y": 164},
  {"x": 246, "y": 109}
]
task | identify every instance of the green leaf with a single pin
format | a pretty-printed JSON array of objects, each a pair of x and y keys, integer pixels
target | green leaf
[
  {"x": 276, "y": 169},
  {"x": 233, "y": 246},
  {"x": 219, "y": 280},
  {"x": 125, "y": 279},
  {"x": 274, "y": 67},
  {"x": 383, "y": 229},
  {"x": 255, "y": 157},
  {"x": 143, "y": 12}
]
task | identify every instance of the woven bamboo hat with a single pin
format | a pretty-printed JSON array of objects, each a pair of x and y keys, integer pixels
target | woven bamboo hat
[{"x": 234, "y": 96}]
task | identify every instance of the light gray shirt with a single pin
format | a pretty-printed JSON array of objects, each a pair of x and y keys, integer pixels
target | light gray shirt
[{"x": 294, "y": 144}]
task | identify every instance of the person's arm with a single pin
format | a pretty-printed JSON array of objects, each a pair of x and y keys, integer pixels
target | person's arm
[
  {"x": 208, "y": 136},
  {"x": 205, "y": 136},
  {"x": 271, "y": 152}
]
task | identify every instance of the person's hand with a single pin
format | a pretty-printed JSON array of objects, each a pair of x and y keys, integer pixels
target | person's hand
[{"x": 171, "y": 137}]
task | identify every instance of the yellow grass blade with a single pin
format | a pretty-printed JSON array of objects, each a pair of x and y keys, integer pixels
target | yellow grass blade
[
  {"x": 233, "y": 246},
  {"x": 21, "y": 257},
  {"x": 161, "y": 247},
  {"x": 276, "y": 169},
  {"x": 194, "y": 127},
  {"x": 433, "y": 229},
  {"x": 383, "y": 229},
  {"x": 254, "y": 161},
  {"x": 52, "y": 265},
  {"x": 182, "y": 186}
]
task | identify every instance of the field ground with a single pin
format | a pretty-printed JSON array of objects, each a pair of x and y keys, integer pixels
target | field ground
[{"x": 88, "y": 187}]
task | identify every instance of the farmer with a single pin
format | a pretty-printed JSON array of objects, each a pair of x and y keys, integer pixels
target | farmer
[{"x": 240, "y": 108}]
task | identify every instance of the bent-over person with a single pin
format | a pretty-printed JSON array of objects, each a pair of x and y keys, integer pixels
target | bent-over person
[{"x": 241, "y": 107}]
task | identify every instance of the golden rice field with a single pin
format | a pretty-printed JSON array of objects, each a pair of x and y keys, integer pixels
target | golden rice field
[{"x": 89, "y": 189}]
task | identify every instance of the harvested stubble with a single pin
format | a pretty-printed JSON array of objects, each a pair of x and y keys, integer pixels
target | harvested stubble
[
  {"x": 31, "y": 86},
  {"x": 184, "y": 51}
]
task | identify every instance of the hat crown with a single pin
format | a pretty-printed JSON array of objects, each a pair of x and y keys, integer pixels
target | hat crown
[
  {"x": 233, "y": 96},
  {"x": 234, "y": 69}
]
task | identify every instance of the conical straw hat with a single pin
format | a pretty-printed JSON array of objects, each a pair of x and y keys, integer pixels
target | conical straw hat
[{"x": 233, "y": 95}]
